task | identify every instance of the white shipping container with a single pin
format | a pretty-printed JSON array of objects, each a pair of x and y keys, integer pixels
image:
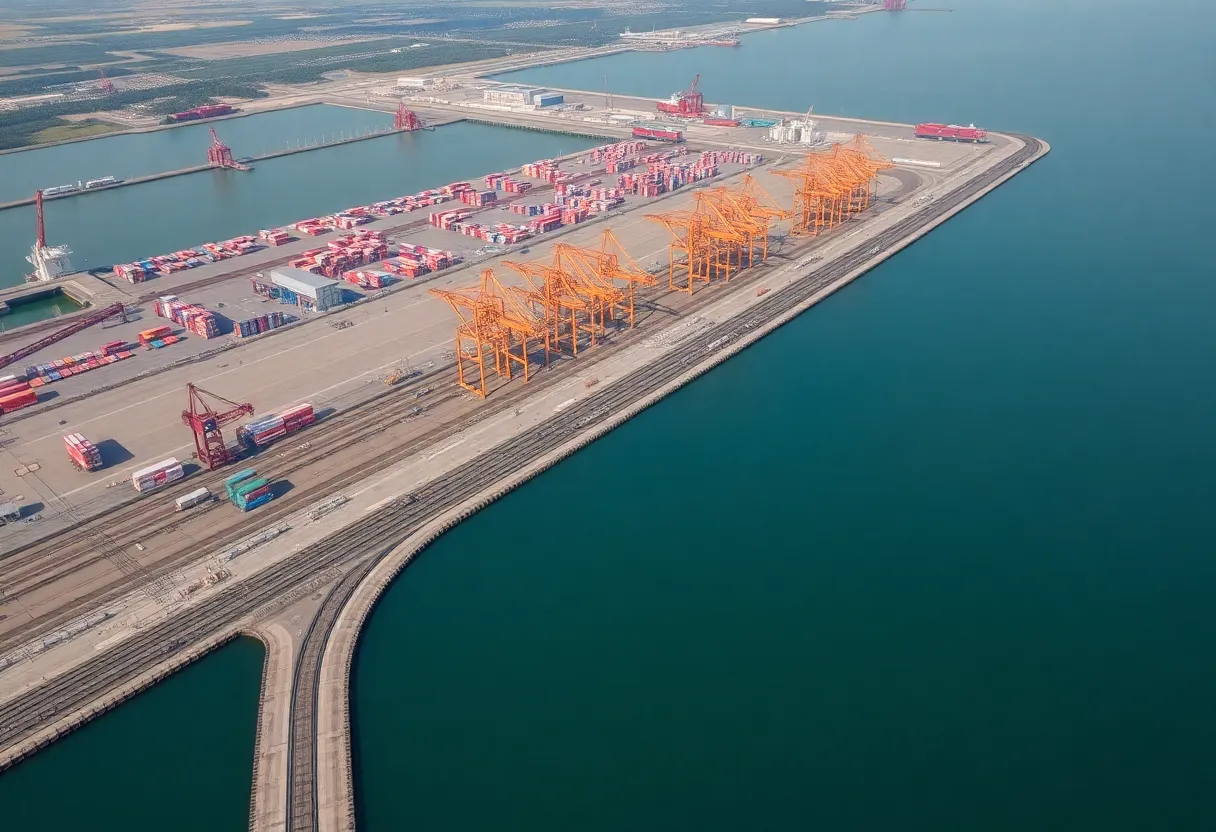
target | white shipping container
[
  {"x": 163, "y": 465},
  {"x": 192, "y": 499}
]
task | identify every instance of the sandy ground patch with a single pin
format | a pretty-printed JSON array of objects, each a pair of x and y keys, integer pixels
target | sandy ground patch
[
  {"x": 220, "y": 51},
  {"x": 178, "y": 27},
  {"x": 14, "y": 30}
]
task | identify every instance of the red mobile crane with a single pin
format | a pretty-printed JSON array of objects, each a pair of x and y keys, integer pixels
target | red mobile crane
[
  {"x": 207, "y": 422},
  {"x": 107, "y": 86},
  {"x": 689, "y": 104},
  {"x": 219, "y": 155},
  {"x": 408, "y": 121}
]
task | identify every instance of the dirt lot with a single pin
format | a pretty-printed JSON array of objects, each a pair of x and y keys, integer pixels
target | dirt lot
[
  {"x": 220, "y": 51},
  {"x": 13, "y": 30}
]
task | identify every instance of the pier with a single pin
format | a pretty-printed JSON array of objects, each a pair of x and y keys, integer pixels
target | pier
[{"x": 439, "y": 120}]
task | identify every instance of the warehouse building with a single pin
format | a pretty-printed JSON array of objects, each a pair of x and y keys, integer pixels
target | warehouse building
[
  {"x": 307, "y": 290},
  {"x": 415, "y": 83},
  {"x": 512, "y": 96},
  {"x": 548, "y": 99}
]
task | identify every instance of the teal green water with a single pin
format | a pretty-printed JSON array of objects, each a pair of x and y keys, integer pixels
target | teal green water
[
  {"x": 38, "y": 310},
  {"x": 935, "y": 556},
  {"x": 176, "y": 757},
  {"x": 124, "y": 224},
  {"x": 140, "y": 154}
]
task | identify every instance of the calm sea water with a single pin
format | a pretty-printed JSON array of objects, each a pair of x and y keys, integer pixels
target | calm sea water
[
  {"x": 124, "y": 224},
  {"x": 177, "y": 757},
  {"x": 141, "y": 154},
  {"x": 935, "y": 556}
]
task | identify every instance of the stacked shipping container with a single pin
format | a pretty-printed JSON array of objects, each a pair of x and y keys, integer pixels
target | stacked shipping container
[
  {"x": 248, "y": 491},
  {"x": 262, "y": 323},
  {"x": 166, "y": 264},
  {"x": 154, "y": 476},
  {"x": 343, "y": 254},
  {"x": 193, "y": 317},
  {"x": 263, "y": 431},
  {"x": 82, "y": 452},
  {"x": 51, "y": 371}
]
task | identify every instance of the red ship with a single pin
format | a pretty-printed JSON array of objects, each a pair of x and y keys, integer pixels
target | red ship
[
  {"x": 689, "y": 103},
  {"x": 662, "y": 134},
  {"x": 952, "y": 132}
]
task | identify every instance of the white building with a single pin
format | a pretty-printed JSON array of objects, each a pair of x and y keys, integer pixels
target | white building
[
  {"x": 764, "y": 21},
  {"x": 513, "y": 96},
  {"x": 320, "y": 293},
  {"x": 415, "y": 83}
]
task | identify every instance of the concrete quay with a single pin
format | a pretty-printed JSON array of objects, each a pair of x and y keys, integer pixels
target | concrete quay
[
  {"x": 334, "y": 807},
  {"x": 568, "y": 404},
  {"x": 202, "y": 528}
]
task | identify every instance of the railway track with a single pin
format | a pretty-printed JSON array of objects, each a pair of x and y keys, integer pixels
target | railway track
[
  {"x": 302, "y": 755},
  {"x": 50, "y": 560},
  {"x": 23, "y": 716}
]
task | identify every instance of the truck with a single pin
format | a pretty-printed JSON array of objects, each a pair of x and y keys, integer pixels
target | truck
[
  {"x": 83, "y": 453},
  {"x": 658, "y": 133}
]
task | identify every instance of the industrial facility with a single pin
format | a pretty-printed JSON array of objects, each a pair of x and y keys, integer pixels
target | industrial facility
[{"x": 384, "y": 370}]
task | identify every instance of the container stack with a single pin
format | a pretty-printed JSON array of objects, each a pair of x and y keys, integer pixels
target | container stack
[
  {"x": 478, "y": 199},
  {"x": 192, "y": 316},
  {"x": 275, "y": 237},
  {"x": 545, "y": 170},
  {"x": 51, "y": 371},
  {"x": 272, "y": 427},
  {"x": 347, "y": 252},
  {"x": 261, "y": 432},
  {"x": 413, "y": 261},
  {"x": 16, "y": 393},
  {"x": 298, "y": 417},
  {"x": 252, "y": 494},
  {"x": 154, "y": 476},
  {"x": 179, "y": 261},
  {"x": 619, "y": 150},
  {"x": 157, "y": 337},
  {"x": 446, "y": 219},
  {"x": 232, "y": 483},
  {"x": 367, "y": 279},
  {"x": 82, "y": 452},
  {"x": 247, "y": 491},
  {"x": 262, "y": 323},
  {"x": 502, "y": 182}
]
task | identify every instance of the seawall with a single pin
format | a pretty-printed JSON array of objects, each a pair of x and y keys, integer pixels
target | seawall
[{"x": 335, "y": 789}]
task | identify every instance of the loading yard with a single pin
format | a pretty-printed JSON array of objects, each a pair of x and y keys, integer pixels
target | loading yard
[{"x": 403, "y": 454}]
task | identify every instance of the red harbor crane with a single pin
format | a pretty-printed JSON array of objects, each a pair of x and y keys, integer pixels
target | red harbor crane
[
  {"x": 106, "y": 85},
  {"x": 688, "y": 104},
  {"x": 407, "y": 120},
  {"x": 219, "y": 155},
  {"x": 81, "y": 323},
  {"x": 206, "y": 417},
  {"x": 895, "y": 5}
]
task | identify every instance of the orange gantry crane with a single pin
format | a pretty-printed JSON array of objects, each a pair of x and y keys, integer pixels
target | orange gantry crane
[
  {"x": 493, "y": 318},
  {"x": 728, "y": 229},
  {"x": 833, "y": 186}
]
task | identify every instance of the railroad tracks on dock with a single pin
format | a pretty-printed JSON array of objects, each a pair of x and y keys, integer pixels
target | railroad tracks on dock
[
  {"x": 302, "y": 758},
  {"x": 22, "y": 717}
]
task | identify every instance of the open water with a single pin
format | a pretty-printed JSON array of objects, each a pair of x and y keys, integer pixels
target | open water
[
  {"x": 938, "y": 555},
  {"x": 140, "y": 154}
]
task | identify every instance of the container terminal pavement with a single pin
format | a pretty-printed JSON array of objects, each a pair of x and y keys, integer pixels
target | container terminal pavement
[{"x": 420, "y": 457}]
